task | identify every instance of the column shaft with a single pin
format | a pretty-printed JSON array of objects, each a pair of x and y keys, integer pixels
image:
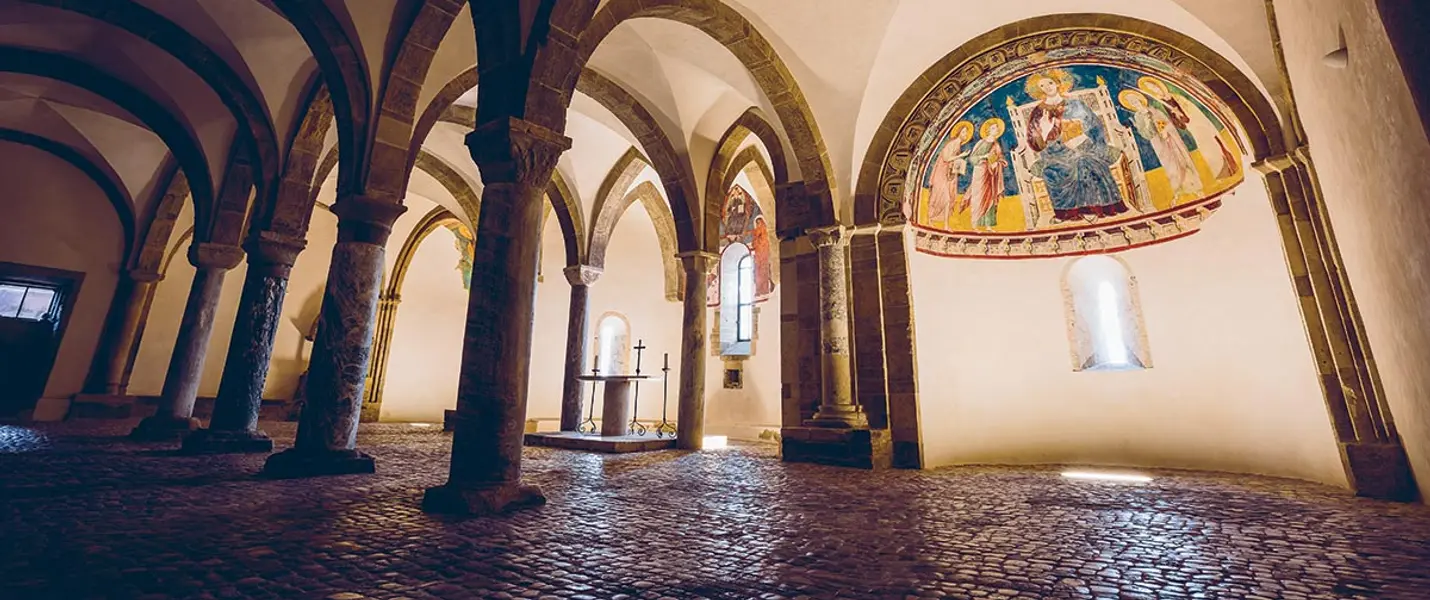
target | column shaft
[
  {"x": 117, "y": 368},
  {"x": 516, "y": 159},
  {"x": 690, "y": 419},
  {"x": 186, "y": 364},
  {"x": 327, "y": 428},
  {"x": 837, "y": 407},
  {"x": 576, "y": 327}
]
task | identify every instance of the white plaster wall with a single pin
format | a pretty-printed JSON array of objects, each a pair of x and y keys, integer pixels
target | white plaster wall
[
  {"x": 161, "y": 329},
  {"x": 755, "y": 408},
  {"x": 1371, "y": 154},
  {"x": 426, "y": 354},
  {"x": 1232, "y": 388},
  {"x": 44, "y": 198}
]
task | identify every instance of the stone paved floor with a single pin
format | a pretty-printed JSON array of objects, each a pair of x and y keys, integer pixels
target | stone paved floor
[{"x": 82, "y": 515}]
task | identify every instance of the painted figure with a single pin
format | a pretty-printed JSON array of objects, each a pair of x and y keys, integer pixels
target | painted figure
[
  {"x": 1158, "y": 128},
  {"x": 1188, "y": 117},
  {"x": 760, "y": 247},
  {"x": 986, "y": 187},
  {"x": 951, "y": 165},
  {"x": 1073, "y": 156},
  {"x": 466, "y": 247}
]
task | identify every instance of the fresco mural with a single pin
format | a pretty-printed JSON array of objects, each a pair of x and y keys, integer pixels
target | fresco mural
[
  {"x": 1070, "y": 158},
  {"x": 466, "y": 247},
  {"x": 742, "y": 222}
]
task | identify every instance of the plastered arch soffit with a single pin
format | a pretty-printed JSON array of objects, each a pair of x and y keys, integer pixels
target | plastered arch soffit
[
  {"x": 727, "y": 162},
  {"x": 881, "y": 177},
  {"x": 728, "y": 27},
  {"x": 102, "y": 175}
]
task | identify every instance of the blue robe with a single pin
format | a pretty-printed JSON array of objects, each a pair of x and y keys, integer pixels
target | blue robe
[{"x": 1079, "y": 180}]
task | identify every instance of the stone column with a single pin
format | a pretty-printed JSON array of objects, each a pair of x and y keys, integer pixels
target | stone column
[
  {"x": 516, "y": 159},
  {"x": 327, "y": 428},
  {"x": 837, "y": 407},
  {"x": 234, "y": 427},
  {"x": 690, "y": 419},
  {"x": 581, "y": 277},
  {"x": 175, "y": 417},
  {"x": 117, "y": 366}
]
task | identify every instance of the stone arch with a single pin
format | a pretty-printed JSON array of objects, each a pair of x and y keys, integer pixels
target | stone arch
[
  {"x": 614, "y": 197},
  {"x": 102, "y": 175},
  {"x": 723, "y": 166},
  {"x": 728, "y": 27},
  {"x": 388, "y": 167},
  {"x": 151, "y": 255},
  {"x": 178, "y": 136},
  {"x": 387, "y": 308},
  {"x": 453, "y": 182},
  {"x": 289, "y": 208},
  {"x": 567, "y": 208},
  {"x": 881, "y": 176},
  {"x": 344, "y": 68},
  {"x": 236, "y": 94}
]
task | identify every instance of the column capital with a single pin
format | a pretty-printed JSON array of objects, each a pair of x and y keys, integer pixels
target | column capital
[
  {"x": 513, "y": 150},
  {"x": 831, "y": 236},
  {"x": 366, "y": 218},
  {"x": 582, "y": 275},
  {"x": 138, "y": 276},
  {"x": 698, "y": 262},
  {"x": 206, "y": 255},
  {"x": 273, "y": 248}
]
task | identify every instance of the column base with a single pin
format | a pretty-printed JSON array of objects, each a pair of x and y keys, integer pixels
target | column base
[
  {"x": 1379, "y": 471},
  {"x": 859, "y": 448},
  {"x": 294, "y": 463},
  {"x": 210, "y": 441},
  {"x": 163, "y": 428},
  {"x": 845, "y": 416},
  {"x": 454, "y": 500}
]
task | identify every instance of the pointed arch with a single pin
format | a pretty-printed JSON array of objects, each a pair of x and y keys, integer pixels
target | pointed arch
[
  {"x": 567, "y": 208},
  {"x": 290, "y": 208},
  {"x": 728, "y": 27},
  {"x": 150, "y": 258},
  {"x": 614, "y": 197},
  {"x": 729, "y": 161},
  {"x": 455, "y": 184}
]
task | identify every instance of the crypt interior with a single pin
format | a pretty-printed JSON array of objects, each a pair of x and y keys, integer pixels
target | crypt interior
[{"x": 714, "y": 299}]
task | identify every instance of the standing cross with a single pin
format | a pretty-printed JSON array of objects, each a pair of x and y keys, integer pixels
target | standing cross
[{"x": 640, "y": 347}]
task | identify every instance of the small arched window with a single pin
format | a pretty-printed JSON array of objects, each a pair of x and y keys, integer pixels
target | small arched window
[
  {"x": 613, "y": 344},
  {"x": 1104, "y": 315},
  {"x": 745, "y": 297}
]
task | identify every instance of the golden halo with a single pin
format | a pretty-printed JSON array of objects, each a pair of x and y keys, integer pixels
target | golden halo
[
  {"x": 1125, "y": 99},
  {"x": 1154, "y": 87},
  {"x": 1063, "y": 78},
  {"x": 989, "y": 124},
  {"x": 962, "y": 129}
]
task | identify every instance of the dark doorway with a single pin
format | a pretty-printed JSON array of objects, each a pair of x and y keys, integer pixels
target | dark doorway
[{"x": 35, "y": 303}]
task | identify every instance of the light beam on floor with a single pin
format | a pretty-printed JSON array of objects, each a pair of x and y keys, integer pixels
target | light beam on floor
[
  {"x": 716, "y": 442},
  {"x": 1097, "y": 476}
]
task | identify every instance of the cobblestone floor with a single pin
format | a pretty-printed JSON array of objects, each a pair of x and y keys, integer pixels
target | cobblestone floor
[{"x": 83, "y": 515}]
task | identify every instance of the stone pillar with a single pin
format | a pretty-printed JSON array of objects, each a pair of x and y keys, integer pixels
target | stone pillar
[
  {"x": 234, "y": 427},
  {"x": 120, "y": 360},
  {"x": 327, "y": 428},
  {"x": 1371, "y": 451},
  {"x": 516, "y": 159},
  {"x": 175, "y": 417},
  {"x": 581, "y": 277},
  {"x": 690, "y": 419},
  {"x": 381, "y": 351},
  {"x": 836, "y": 407}
]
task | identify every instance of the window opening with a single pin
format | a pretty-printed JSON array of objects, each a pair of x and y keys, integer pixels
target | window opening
[
  {"x": 745, "y": 292},
  {"x": 1104, "y": 316},
  {"x": 27, "y": 302}
]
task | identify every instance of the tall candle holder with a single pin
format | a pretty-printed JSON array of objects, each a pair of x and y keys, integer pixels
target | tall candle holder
[
  {"x": 635, "y": 426},
  {"x": 588, "y": 426},
  {"x": 665, "y": 426}
]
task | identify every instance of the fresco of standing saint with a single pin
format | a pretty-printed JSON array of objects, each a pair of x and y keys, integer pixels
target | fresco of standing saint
[
  {"x": 466, "y": 246},
  {"x": 1187, "y": 116},
  {"x": 1073, "y": 156},
  {"x": 952, "y": 164},
  {"x": 986, "y": 187},
  {"x": 1157, "y": 127}
]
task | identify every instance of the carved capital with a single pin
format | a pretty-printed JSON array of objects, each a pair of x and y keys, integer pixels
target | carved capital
[
  {"x": 366, "y": 219},
  {"x": 582, "y": 275},
  {"x": 697, "y": 263},
  {"x": 827, "y": 237},
  {"x": 515, "y": 151},
  {"x": 205, "y": 255},
  {"x": 273, "y": 248}
]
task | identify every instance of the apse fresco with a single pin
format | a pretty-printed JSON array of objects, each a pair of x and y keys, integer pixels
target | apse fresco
[
  {"x": 742, "y": 222},
  {"x": 1068, "y": 157},
  {"x": 466, "y": 248}
]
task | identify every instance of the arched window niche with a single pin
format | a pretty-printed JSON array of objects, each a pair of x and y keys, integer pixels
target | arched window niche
[
  {"x": 1104, "y": 316},
  {"x": 744, "y": 277},
  {"x": 737, "y": 300},
  {"x": 613, "y": 344}
]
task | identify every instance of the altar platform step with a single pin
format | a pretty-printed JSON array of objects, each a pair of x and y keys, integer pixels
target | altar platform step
[{"x": 621, "y": 444}]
